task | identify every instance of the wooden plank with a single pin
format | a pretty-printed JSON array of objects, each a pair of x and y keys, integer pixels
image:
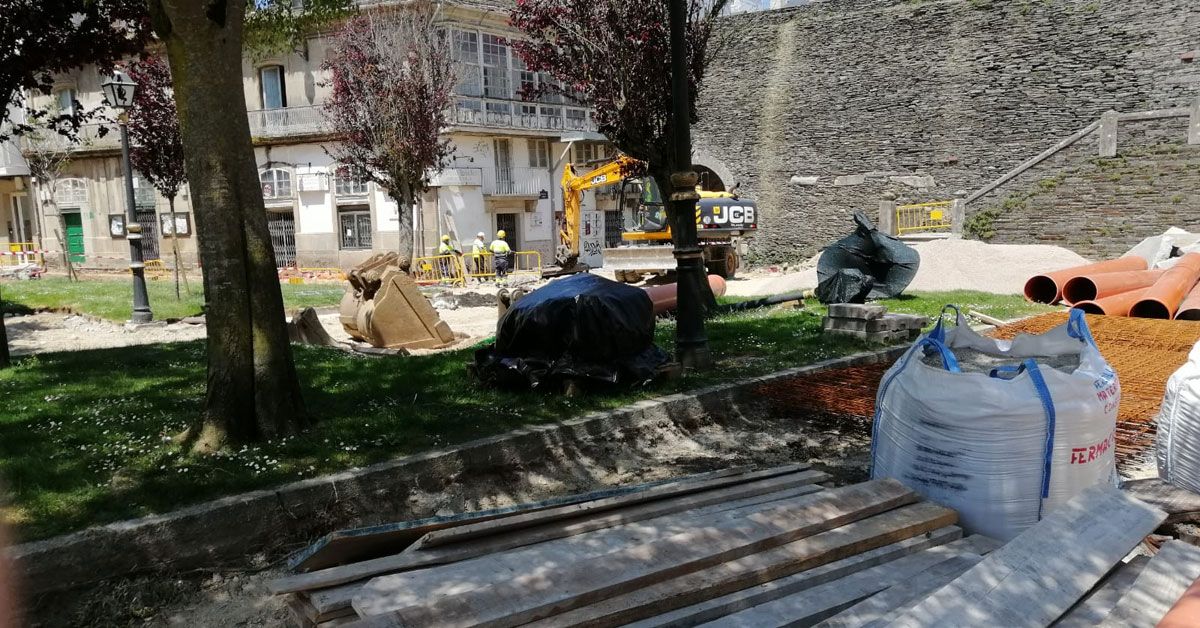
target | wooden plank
[
  {"x": 347, "y": 546},
  {"x": 919, "y": 520},
  {"x": 1170, "y": 572},
  {"x": 1094, "y": 607},
  {"x": 343, "y": 574},
  {"x": 810, "y": 606},
  {"x": 881, "y": 608},
  {"x": 557, "y": 588},
  {"x": 1042, "y": 572},
  {"x": 1181, "y": 505},
  {"x": 470, "y": 531},
  {"x": 486, "y": 568},
  {"x": 891, "y": 602}
]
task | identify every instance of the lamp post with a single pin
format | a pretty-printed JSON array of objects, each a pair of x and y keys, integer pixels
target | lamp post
[
  {"x": 118, "y": 92},
  {"x": 691, "y": 343}
]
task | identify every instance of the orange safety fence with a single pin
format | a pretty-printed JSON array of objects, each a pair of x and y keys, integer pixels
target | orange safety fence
[{"x": 1144, "y": 353}]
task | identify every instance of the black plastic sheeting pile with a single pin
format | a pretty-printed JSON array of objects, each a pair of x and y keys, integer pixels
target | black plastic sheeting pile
[
  {"x": 582, "y": 327},
  {"x": 865, "y": 265}
]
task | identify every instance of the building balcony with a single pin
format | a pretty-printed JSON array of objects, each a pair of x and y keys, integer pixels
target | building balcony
[
  {"x": 522, "y": 182},
  {"x": 507, "y": 114},
  {"x": 287, "y": 122}
]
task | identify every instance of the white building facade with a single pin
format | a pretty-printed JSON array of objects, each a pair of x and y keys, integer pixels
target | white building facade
[{"x": 504, "y": 172}]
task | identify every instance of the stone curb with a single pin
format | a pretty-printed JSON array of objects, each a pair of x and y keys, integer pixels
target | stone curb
[{"x": 226, "y": 532}]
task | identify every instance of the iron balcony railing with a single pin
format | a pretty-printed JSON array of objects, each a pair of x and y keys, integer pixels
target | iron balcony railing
[
  {"x": 515, "y": 181},
  {"x": 287, "y": 122}
]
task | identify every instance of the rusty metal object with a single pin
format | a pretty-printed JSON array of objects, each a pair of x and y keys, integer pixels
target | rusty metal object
[{"x": 385, "y": 308}]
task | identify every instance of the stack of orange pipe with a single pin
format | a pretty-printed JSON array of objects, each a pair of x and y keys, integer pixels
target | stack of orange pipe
[{"x": 1125, "y": 287}]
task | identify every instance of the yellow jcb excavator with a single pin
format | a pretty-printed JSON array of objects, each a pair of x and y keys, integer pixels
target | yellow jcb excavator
[{"x": 723, "y": 220}]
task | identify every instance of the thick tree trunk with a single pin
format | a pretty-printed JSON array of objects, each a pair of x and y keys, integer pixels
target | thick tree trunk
[
  {"x": 253, "y": 391},
  {"x": 404, "y": 238}
]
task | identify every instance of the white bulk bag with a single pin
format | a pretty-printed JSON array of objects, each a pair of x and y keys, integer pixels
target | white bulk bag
[
  {"x": 1003, "y": 446},
  {"x": 1178, "y": 440}
]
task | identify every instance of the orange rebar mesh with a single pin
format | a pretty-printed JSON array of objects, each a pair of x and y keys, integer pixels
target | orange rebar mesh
[{"x": 1144, "y": 353}]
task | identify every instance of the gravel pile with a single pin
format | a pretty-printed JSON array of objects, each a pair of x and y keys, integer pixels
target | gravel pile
[{"x": 950, "y": 264}]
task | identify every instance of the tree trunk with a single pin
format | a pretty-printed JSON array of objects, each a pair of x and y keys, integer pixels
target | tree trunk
[
  {"x": 253, "y": 391},
  {"x": 404, "y": 238},
  {"x": 61, "y": 234},
  {"x": 5, "y": 360},
  {"x": 174, "y": 245}
]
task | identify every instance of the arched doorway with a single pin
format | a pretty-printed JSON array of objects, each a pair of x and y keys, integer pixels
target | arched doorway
[{"x": 710, "y": 181}]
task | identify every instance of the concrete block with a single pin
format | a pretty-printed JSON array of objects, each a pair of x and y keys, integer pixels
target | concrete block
[
  {"x": 850, "y": 179},
  {"x": 857, "y": 310},
  {"x": 1108, "y": 134},
  {"x": 876, "y": 337},
  {"x": 858, "y": 324},
  {"x": 799, "y": 180}
]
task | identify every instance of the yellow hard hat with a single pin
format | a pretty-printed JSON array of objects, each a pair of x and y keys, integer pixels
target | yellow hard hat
[
  {"x": 500, "y": 233},
  {"x": 445, "y": 238}
]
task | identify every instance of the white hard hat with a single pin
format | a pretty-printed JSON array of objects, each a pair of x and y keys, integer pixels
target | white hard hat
[{"x": 479, "y": 235}]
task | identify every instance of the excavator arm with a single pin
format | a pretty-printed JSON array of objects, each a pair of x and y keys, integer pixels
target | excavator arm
[{"x": 573, "y": 187}]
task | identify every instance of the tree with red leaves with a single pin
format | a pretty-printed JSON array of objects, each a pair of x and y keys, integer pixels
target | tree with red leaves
[
  {"x": 156, "y": 147},
  {"x": 615, "y": 56},
  {"x": 392, "y": 80}
]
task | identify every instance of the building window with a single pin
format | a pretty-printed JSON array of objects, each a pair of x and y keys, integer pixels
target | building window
[
  {"x": 588, "y": 151},
  {"x": 276, "y": 183},
  {"x": 64, "y": 101},
  {"x": 466, "y": 53},
  {"x": 273, "y": 91},
  {"x": 72, "y": 192},
  {"x": 539, "y": 154},
  {"x": 345, "y": 185},
  {"x": 495, "y": 67},
  {"x": 576, "y": 119},
  {"x": 355, "y": 224}
]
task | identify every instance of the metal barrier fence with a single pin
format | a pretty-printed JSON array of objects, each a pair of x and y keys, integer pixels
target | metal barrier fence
[
  {"x": 22, "y": 253},
  {"x": 438, "y": 269},
  {"x": 481, "y": 266},
  {"x": 923, "y": 217}
]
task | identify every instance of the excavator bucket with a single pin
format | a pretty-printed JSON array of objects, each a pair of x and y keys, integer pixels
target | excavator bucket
[{"x": 384, "y": 307}]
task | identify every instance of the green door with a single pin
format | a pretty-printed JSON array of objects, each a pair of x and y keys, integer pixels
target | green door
[{"x": 74, "y": 224}]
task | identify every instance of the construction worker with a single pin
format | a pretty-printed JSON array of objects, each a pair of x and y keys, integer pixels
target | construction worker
[
  {"x": 447, "y": 264},
  {"x": 500, "y": 251},
  {"x": 479, "y": 247}
]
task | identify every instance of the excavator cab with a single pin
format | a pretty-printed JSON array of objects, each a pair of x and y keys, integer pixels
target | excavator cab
[{"x": 640, "y": 199}]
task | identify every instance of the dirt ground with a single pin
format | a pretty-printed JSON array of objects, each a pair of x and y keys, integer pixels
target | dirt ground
[
  {"x": 47, "y": 332},
  {"x": 760, "y": 436}
]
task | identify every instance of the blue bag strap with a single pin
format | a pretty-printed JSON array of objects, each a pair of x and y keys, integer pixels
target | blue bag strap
[
  {"x": 939, "y": 331},
  {"x": 1043, "y": 391},
  {"x": 949, "y": 362},
  {"x": 1077, "y": 327},
  {"x": 1007, "y": 372}
]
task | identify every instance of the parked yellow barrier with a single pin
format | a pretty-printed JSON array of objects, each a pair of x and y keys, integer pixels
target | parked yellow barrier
[
  {"x": 438, "y": 269},
  {"x": 22, "y": 253},
  {"x": 481, "y": 266},
  {"x": 923, "y": 217}
]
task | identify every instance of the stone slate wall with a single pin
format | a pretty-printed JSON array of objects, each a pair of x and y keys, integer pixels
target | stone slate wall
[
  {"x": 859, "y": 93},
  {"x": 1100, "y": 207}
]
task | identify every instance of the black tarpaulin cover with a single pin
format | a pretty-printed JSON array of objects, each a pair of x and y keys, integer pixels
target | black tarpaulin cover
[
  {"x": 888, "y": 263},
  {"x": 583, "y": 327}
]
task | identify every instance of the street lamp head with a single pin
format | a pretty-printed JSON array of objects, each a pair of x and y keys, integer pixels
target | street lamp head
[{"x": 118, "y": 90}]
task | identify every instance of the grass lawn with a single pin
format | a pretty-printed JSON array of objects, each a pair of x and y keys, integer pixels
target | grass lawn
[
  {"x": 112, "y": 298},
  {"x": 85, "y": 436}
]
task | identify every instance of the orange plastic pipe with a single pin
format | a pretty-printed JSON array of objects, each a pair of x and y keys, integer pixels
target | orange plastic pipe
[
  {"x": 1189, "y": 310},
  {"x": 1100, "y": 285},
  {"x": 1114, "y": 305},
  {"x": 1163, "y": 299},
  {"x": 1186, "y": 611},
  {"x": 665, "y": 296},
  {"x": 1047, "y": 288}
]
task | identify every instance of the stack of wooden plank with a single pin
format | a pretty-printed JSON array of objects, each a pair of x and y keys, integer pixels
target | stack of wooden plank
[{"x": 733, "y": 548}]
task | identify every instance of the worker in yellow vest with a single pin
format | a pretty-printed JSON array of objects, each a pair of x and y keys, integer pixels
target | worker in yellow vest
[
  {"x": 479, "y": 250},
  {"x": 448, "y": 265},
  {"x": 500, "y": 251}
]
